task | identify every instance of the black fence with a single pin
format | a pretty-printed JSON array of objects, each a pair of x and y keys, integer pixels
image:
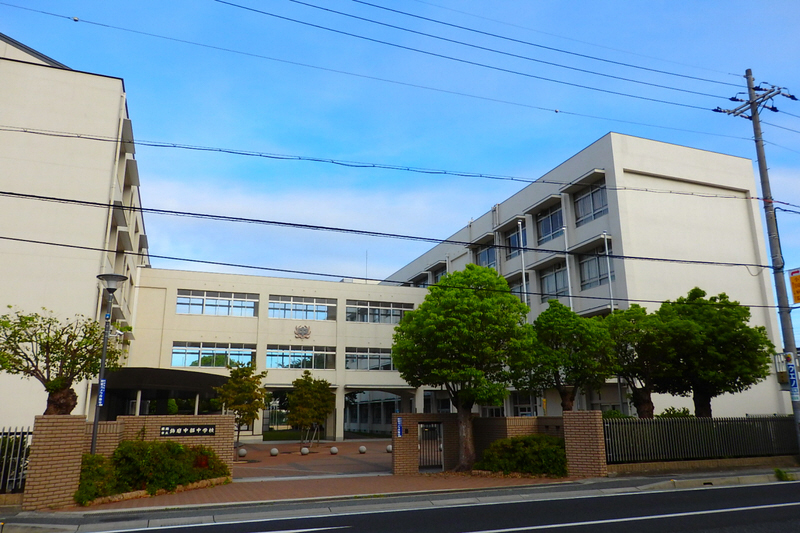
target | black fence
[
  {"x": 679, "y": 439},
  {"x": 14, "y": 447}
]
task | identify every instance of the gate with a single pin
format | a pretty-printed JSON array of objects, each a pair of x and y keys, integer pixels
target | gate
[
  {"x": 14, "y": 446},
  {"x": 431, "y": 447}
]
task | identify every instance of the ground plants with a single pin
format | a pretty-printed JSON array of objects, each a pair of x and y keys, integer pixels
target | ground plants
[
  {"x": 150, "y": 466},
  {"x": 543, "y": 455}
]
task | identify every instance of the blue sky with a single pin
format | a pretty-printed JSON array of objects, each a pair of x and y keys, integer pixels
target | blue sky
[{"x": 195, "y": 95}]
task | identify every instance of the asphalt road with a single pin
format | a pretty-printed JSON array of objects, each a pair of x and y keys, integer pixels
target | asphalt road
[{"x": 772, "y": 507}]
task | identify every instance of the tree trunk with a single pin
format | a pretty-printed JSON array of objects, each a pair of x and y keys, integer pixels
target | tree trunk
[
  {"x": 466, "y": 445},
  {"x": 643, "y": 402},
  {"x": 567, "y": 397},
  {"x": 61, "y": 402},
  {"x": 702, "y": 404}
]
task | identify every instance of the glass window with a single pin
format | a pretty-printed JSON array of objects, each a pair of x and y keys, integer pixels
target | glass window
[
  {"x": 192, "y": 302},
  {"x": 376, "y": 312},
  {"x": 486, "y": 256},
  {"x": 211, "y": 355},
  {"x": 591, "y": 203},
  {"x": 439, "y": 274},
  {"x": 311, "y": 357},
  {"x": 553, "y": 281},
  {"x": 302, "y": 307},
  {"x": 594, "y": 268},
  {"x": 368, "y": 359},
  {"x": 512, "y": 241},
  {"x": 549, "y": 223}
]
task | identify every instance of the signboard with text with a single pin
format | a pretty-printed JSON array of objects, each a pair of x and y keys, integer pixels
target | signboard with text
[
  {"x": 794, "y": 280},
  {"x": 188, "y": 430}
]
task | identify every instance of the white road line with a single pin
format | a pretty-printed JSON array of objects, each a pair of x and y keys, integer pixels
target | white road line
[
  {"x": 308, "y": 530},
  {"x": 636, "y": 518}
]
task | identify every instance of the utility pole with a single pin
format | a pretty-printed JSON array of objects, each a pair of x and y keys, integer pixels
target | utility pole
[{"x": 758, "y": 97}]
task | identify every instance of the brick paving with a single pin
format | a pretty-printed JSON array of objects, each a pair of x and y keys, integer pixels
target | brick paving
[{"x": 291, "y": 476}]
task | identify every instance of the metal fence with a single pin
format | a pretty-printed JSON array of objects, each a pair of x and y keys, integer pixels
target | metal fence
[
  {"x": 679, "y": 439},
  {"x": 14, "y": 446}
]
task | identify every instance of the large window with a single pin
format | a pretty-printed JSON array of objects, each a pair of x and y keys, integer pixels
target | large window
[
  {"x": 216, "y": 303},
  {"x": 314, "y": 357},
  {"x": 517, "y": 289},
  {"x": 594, "y": 268},
  {"x": 553, "y": 281},
  {"x": 512, "y": 241},
  {"x": 486, "y": 256},
  {"x": 302, "y": 308},
  {"x": 376, "y": 312},
  {"x": 439, "y": 274},
  {"x": 591, "y": 203},
  {"x": 549, "y": 223},
  {"x": 368, "y": 359},
  {"x": 211, "y": 354}
]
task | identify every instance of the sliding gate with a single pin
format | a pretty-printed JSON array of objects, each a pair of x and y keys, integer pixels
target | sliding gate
[{"x": 431, "y": 447}]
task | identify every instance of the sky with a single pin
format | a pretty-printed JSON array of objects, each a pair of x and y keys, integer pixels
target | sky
[{"x": 301, "y": 79}]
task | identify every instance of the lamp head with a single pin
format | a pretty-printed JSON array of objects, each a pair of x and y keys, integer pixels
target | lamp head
[{"x": 112, "y": 281}]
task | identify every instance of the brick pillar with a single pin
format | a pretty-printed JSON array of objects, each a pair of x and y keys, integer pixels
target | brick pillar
[
  {"x": 54, "y": 464},
  {"x": 405, "y": 449},
  {"x": 585, "y": 443}
]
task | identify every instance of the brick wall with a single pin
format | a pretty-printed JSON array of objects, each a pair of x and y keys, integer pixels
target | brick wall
[
  {"x": 585, "y": 443},
  {"x": 488, "y": 430},
  {"x": 405, "y": 449},
  {"x": 54, "y": 464},
  {"x": 108, "y": 437}
]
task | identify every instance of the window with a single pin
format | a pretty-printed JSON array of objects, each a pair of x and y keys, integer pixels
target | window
[
  {"x": 594, "y": 268},
  {"x": 211, "y": 354},
  {"x": 486, "y": 256},
  {"x": 376, "y": 312},
  {"x": 216, "y": 303},
  {"x": 550, "y": 223},
  {"x": 512, "y": 241},
  {"x": 439, "y": 274},
  {"x": 517, "y": 288},
  {"x": 302, "y": 308},
  {"x": 368, "y": 359},
  {"x": 553, "y": 281},
  {"x": 313, "y": 357},
  {"x": 591, "y": 203}
]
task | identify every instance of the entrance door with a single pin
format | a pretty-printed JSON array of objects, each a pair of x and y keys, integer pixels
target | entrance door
[{"x": 431, "y": 447}]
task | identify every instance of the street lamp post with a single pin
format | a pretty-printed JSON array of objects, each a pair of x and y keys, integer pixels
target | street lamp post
[{"x": 111, "y": 281}]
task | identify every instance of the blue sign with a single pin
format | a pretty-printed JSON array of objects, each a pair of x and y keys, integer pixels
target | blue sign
[
  {"x": 793, "y": 381},
  {"x": 399, "y": 426},
  {"x": 101, "y": 394}
]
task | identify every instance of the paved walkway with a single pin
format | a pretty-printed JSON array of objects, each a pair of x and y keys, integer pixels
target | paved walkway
[{"x": 292, "y": 476}]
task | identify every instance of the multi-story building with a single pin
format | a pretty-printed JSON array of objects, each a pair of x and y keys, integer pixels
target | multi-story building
[
  {"x": 66, "y": 155},
  {"x": 625, "y": 220}
]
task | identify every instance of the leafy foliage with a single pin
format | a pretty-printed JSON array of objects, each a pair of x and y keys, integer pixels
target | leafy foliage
[
  {"x": 614, "y": 413},
  {"x": 675, "y": 412},
  {"x": 460, "y": 339},
  {"x": 310, "y": 402},
  {"x": 533, "y": 454},
  {"x": 244, "y": 395},
  {"x": 566, "y": 352},
  {"x": 150, "y": 466},
  {"x": 56, "y": 353},
  {"x": 713, "y": 349}
]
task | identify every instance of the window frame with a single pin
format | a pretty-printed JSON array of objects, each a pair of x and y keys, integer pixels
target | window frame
[
  {"x": 597, "y": 197},
  {"x": 547, "y": 216},
  {"x": 558, "y": 271}
]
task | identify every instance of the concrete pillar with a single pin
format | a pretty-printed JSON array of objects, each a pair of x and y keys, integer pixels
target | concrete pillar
[
  {"x": 339, "y": 412},
  {"x": 197, "y": 404},
  {"x": 419, "y": 400},
  {"x": 139, "y": 403}
]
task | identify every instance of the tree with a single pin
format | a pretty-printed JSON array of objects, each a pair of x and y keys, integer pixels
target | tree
[
  {"x": 713, "y": 348},
  {"x": 244, "y": 395},
  {"x": 565, "y": 352},
  {"x": 56, "y": 353},
  {"x": 460, "y": 339},
  {"x": 640, "y": 343},
  {"x": 310, "y": 403}
]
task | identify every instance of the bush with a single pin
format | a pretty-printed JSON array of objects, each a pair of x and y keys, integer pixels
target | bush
[
  {"x": 674, "y": 412},
  {"x": 614, "y": 413},
  {"x": 150, "y": 466},
  {"x": 532, "y": 454}
]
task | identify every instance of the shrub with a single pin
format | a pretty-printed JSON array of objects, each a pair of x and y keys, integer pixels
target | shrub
[
  {"x": 674, "y": 412},
  {"x": 150, "y": 466},
  {"x": 532, "y": 454},
  {"x": 614, "y": 413}
]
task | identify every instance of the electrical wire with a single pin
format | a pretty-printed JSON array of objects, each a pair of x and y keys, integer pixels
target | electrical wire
[
  {"x": 508, "y": 54},
  {"x": 528, "y": 43},
  {"x": 357, "y": 164},
  {"x": 781, "y": 127},
  {"x": 324, "y": 274},
  {"x": 464, "y": 61},
  {"x": 400, "y": 236}
]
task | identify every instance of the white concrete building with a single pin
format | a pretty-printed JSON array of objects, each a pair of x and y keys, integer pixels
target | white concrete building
[{"x": 69, "y": 188}]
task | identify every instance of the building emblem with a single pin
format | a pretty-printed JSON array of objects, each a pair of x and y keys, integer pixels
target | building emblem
[{"x": 302, "y": 332}]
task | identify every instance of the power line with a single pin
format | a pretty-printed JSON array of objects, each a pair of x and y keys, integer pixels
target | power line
[
  {"x": 464, "y": 61},
  {"x": 528, "y": 43},
  {"x": 358, "y": 164},
  {"x": 494, "y": 50},
  {"x": 310, "y": 273},
  {"x": 367, "y": 233}
]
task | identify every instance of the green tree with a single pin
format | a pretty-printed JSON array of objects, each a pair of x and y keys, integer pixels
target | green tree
[
  {"x": 460, "y": 339},
  {"x": 310, "y": 402},
  {"x": 713, "y": 348},
  {"x": 57, "y": 353},
  {"x": 564, "y": 351},
  {"x": 244, "y": 395},
  {"x": 640, "y": 342}
]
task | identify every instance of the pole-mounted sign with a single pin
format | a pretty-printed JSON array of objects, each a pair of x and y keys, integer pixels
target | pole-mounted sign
[{"x": 794, "y": 280}]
